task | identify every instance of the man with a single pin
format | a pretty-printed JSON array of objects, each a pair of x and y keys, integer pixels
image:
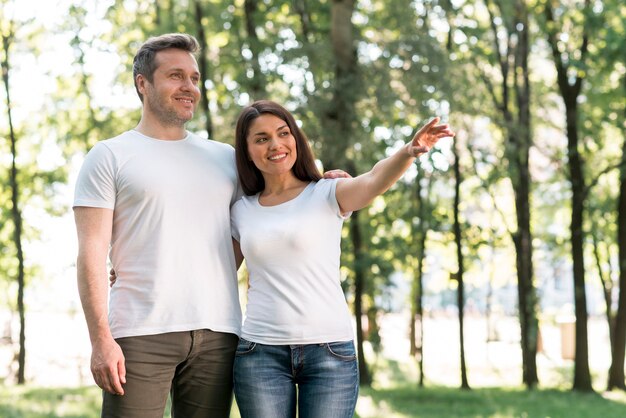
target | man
[{"x": 159, "y": 197}]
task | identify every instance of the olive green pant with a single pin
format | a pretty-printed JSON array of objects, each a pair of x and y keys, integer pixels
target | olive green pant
[{"x": 195, "y": 367}]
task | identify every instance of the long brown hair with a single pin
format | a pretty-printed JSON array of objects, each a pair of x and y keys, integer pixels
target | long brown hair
[{"x": 250, "y": 176}]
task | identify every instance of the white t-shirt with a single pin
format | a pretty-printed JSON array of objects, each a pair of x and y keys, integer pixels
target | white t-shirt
[
  {"x": 292, "y": 251},
  {"x": 171, "y": 242}
]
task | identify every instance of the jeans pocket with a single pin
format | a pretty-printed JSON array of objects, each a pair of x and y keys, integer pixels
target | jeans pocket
[
  {"x": 343, "y": 350},
  {"x": 244, "y": 347}
]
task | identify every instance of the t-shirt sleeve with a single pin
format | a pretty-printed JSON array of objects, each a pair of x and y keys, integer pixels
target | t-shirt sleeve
[
  {"x": 234, "y": 230},
  {"x": 329, "y": 188},
  {"x": 238, "y": 193},
  {"x": 95, "y": 185}
]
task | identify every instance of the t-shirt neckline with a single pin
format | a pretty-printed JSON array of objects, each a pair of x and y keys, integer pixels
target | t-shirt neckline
[{"x": 283, "y": 204}]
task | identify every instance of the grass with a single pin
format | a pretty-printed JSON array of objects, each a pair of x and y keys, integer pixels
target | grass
[
  {"x": 431, "y": 402},
  {"x": 393, "y": 402},
  {"x": 32, "y": 402}
]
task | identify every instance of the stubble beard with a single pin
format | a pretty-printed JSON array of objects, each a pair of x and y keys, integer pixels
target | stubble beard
[{"x": 167, "y": 115}]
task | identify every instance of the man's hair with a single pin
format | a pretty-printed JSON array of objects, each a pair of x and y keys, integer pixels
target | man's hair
[
  {"x": 250, "y": 176},
  {"x": 144, "y": 62}
]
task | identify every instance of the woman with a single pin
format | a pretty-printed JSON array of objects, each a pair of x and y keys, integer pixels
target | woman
[{"x": 296, "y": 347}]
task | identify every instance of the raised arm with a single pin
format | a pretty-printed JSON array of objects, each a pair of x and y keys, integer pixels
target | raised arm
[
  {"x": 93, "y": 226},
  {"x": 356, "y": 193}
]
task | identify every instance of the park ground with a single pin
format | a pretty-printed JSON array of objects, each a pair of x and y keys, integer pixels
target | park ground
[{"x": 60, "y": 384}]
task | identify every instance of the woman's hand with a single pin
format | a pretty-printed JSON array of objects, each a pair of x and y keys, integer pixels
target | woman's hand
[{"x": 427, "y": 137}]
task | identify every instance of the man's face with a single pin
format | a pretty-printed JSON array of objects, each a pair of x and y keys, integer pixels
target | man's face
[{"x": 173, "y": 94}]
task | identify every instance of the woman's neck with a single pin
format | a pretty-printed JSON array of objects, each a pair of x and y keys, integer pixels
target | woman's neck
[{"x": 279, "y": 189}]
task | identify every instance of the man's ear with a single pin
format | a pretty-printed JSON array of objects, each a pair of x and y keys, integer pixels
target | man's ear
[{"x": 141, "y": 81}]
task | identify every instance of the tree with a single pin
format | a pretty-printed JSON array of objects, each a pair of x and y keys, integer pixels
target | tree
[
  {"x": 458, "y": 276},
  {"x": 419, "y": 233},
  {"x": 203, "y": 65},
  {"x": 616, "y": 371},
  {"x": 341, "y": 116},
  {"x": 570, "y": 68},
  {"x": 500, "y": 61},
  {"x": 8, "y": 36}
]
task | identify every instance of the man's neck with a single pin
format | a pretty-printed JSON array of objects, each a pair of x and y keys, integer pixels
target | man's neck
[{"x": 157, "y": 130}]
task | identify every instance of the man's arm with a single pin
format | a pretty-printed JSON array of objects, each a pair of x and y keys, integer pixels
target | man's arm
[{"x": 94, "y": 226}]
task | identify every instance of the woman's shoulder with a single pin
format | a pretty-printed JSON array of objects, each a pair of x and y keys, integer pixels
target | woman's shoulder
[{"x": 245, "y": 201}]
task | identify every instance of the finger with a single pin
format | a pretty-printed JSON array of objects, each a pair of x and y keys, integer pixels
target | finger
[
  {"x": 103, "y": 381},
  {"x": 112, "y": 271},
  {"x": 433, "y": 121},
  {"x": 121, "y": 370},
  {"x": 114, "y": 381}
]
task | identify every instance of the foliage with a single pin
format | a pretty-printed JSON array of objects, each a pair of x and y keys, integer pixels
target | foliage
[{"x": 415, "y": 60}]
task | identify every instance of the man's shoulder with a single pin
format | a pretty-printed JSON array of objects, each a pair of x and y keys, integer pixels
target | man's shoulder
[
  {"x": 212, "y": 144},
  {"x": 113, "y": 141}
]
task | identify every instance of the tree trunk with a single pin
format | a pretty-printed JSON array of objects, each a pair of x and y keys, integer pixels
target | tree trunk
[
  {"x": 582, "y": 376},
  {"x": 359, "y": 288},
  {"x": 569, "y": 93},
  {"x": 257, "y": 86},
  {"x": 616, "y": 371},
  {"x": 204, "y": 68},
  {"x": 301, "y": 8},
  {"x": 416, "y": 326},
  {"x": 16, "y": 214},
  {"x": 520, "y": 144},
  {"x": 339, "y": 119},
  {"x": 519, "y": 140},
  {"x": 459, "y": 257},
  {"x": 607, "y": 288}
]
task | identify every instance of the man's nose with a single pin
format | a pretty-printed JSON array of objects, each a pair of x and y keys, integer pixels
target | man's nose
[{"x": 189, "y": 84}]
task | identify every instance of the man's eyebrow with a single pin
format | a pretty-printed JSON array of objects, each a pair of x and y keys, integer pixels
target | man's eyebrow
[{"x": 177, "y": 69}]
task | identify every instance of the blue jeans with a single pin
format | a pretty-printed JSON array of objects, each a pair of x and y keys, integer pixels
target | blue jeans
[{"x": 323, "y": 378}]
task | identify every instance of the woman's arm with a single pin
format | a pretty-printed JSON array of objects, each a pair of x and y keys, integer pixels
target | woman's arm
[{"x": 356, "y": 193}]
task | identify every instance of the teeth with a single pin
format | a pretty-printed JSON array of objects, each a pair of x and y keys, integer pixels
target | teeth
[{"x": 277, "y": 157}]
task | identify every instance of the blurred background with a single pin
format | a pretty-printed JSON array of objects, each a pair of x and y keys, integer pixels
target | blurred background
[{"x": 499, "y": 259}]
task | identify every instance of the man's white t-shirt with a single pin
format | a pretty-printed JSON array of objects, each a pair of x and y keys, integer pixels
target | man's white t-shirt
[
  {"x": 292, "y": 252},
  {"x": 171, "y": 242}
]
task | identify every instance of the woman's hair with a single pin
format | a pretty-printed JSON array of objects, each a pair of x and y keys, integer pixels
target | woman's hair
[{"x": 249, "y": 175}]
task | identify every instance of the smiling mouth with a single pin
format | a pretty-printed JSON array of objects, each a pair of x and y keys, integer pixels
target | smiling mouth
[
  {"x": 277, "y": 157},
  {"x": 185, "y": 100}
]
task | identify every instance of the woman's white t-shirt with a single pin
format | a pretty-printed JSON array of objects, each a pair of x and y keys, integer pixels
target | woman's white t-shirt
[{"x": 292, "y": 252}]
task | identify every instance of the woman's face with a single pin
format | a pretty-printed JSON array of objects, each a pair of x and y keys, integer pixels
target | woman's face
[{"x": 271, "y": 145}]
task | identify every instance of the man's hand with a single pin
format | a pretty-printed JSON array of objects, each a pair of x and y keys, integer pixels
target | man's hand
[
  {"x": 108, "y": 367},
  {"x": 112, "y": 277},
  {"x": 336, "y": 174}
]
